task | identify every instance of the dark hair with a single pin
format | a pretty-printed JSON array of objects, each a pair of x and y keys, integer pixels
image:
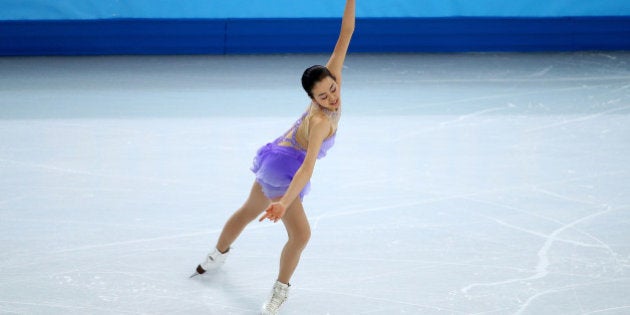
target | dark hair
[{"x": 312, "y": 75}]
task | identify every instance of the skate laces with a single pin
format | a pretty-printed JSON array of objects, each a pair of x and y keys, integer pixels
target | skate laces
[
  {"x": 214, "y": 258},
  {"x": 278, "y": 297}
]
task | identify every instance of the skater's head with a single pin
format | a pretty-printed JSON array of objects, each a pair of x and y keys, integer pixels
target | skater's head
[{"x": 321, "y": 86}]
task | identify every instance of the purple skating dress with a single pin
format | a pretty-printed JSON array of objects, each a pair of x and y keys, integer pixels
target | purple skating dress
[{"x": 275, "y": 164}]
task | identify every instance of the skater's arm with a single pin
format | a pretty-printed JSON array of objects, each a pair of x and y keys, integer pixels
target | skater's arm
[
  {"x": 335, "y": 63},
  {"x": 319, "y": 130}
]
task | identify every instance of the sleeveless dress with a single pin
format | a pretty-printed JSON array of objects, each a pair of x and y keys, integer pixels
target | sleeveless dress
[{"x": 275, "y": 164}]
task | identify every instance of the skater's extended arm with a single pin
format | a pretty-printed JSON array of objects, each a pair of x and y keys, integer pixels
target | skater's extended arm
[
  {"x": 335, "y": 63},
  {"x": 318, "y": 131}
]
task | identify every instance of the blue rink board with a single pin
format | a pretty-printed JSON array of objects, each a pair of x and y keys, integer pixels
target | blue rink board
[{"x": 310, "y": 35}]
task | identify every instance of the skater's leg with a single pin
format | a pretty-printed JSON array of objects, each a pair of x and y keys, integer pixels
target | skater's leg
[
  {"x": 256, "y": 203},
  {"x": 299, "y": 232}
]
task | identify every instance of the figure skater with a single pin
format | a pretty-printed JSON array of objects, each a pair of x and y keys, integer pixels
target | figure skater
[{"x": 284, "y": 167}]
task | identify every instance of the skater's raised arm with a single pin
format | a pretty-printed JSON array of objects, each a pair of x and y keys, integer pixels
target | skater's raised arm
[{"x": 335, "y": 63}]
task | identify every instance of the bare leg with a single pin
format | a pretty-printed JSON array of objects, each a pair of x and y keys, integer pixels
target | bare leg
[
  {"x": 299, "y": 232},
  {"x": 256, "y": 203}
]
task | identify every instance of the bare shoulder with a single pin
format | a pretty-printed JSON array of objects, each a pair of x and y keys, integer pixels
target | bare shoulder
[
  {"x": 320, "y": 120},
  {"x": 320, "y": 125}
]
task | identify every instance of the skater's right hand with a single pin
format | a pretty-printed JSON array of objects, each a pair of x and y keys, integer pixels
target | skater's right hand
[{"x": 274, "y": 212}]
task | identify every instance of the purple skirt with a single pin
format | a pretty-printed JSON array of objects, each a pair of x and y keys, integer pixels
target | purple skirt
[{"x": 275, "y": 166}]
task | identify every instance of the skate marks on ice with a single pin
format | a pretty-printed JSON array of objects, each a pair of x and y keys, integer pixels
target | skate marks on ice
[
  {"x": 468, "y": 183},
  {"x": 464, "y": 299}
]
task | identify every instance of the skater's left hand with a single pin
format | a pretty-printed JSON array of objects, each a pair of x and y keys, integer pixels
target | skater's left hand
[{"x": 274, "y": 212}]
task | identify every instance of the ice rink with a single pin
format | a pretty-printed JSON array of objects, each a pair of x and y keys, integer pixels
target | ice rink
[{"x": 458, "y": 184}]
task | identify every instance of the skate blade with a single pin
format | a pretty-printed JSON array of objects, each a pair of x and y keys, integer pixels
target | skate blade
[{"x": 198, "y": 271}]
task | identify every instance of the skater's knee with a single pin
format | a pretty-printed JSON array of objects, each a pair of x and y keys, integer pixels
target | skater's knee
[{"x": 301, "y": 237}]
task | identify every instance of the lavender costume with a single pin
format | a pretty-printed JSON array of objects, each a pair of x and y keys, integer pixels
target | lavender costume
[{"x": 275, "y": 164}]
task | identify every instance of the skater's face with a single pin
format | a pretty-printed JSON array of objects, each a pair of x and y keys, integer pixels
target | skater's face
[{"x": 326, "y": 93}]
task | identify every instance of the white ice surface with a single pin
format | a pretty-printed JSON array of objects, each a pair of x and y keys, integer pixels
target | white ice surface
[{"x": 459, "y": 184}]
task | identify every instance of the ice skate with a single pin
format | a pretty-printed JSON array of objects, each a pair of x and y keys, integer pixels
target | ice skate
[
  {"x": 279, "y": 294},
  {"x": 213, "y": 261}
]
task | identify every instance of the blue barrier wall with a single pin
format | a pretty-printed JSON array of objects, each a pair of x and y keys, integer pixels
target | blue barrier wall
[
  {"x": 90, "y": 27},
  {"x": 219, "y": 9}
]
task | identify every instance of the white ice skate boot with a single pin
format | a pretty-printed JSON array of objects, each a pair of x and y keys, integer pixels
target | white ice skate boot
[
  {"x": 213, "y": 261},
  {"x": 279, "y": 294}
]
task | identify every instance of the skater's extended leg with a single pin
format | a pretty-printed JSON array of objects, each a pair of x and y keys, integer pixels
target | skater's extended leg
[
  {"x": 299, "y": 232},
  {"x": 256, "y": 203}
]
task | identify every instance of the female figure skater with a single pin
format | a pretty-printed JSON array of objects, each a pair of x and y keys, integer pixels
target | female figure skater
[{"x": 284, "y": 167}]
